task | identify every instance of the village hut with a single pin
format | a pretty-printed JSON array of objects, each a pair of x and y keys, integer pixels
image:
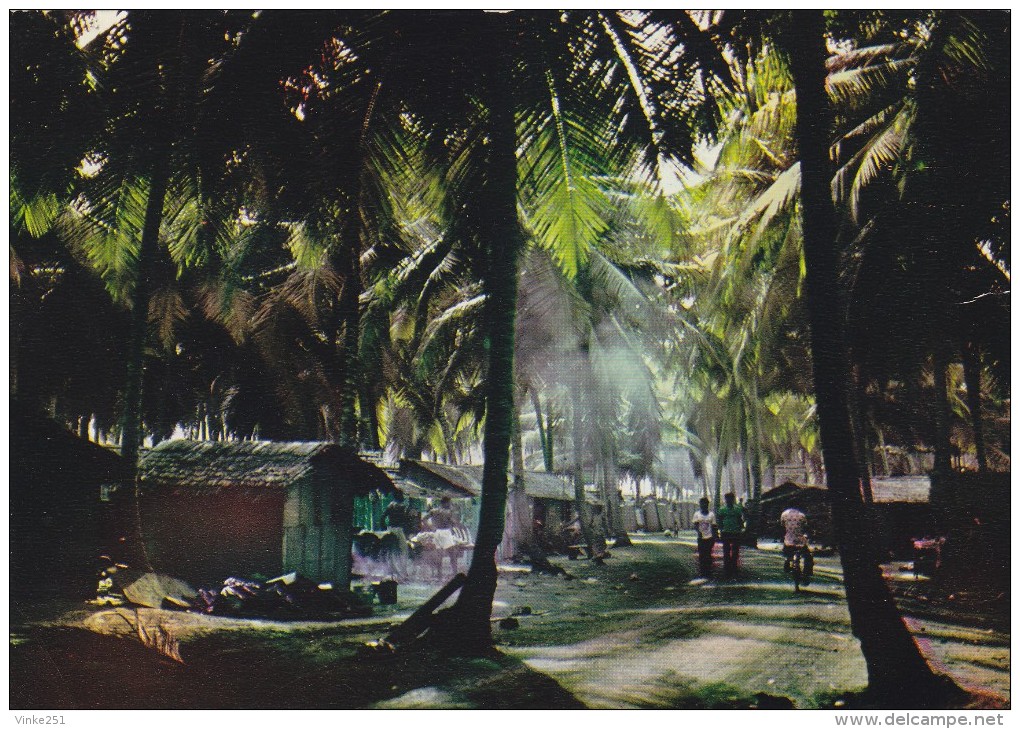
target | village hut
[
  {"x": 210, "y": 510},
  {"x": 59, "y": 524},
  {"x": 902, "y": 512},
  {"x": 550, "y": 497}
]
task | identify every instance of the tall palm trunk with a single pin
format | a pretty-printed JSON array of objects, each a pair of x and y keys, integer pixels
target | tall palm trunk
[
  {"x": 16, "y": 297},
  {"x": 943, "y": 445},
  {"x": 544, "y": 433},
  {"x": 349, "y": 380},
  {"x": 467, "y": 628},
  {"x": 972, "y": 378},
  {"x": 756, "y": 467},
  {"x": 369, "y": 419},
  {"x": 897, "y": 672},
  {"x": 518, "y": 535},
  {"x": 578, "y": 438},
  {"x": 131, "y": 428}
]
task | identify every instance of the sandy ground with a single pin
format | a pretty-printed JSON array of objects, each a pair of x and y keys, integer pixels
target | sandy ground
[{"x": 635, "y": 633}]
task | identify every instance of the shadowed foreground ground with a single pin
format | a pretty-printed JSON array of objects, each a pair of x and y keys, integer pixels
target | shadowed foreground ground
[{"x": 631, "y": 634}]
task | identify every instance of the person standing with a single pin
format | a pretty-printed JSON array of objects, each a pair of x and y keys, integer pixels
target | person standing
[
  {"x": 442, "y": 516},
  {"x": 399, "y": 515},
  {"x": 705, "y": 524},
  {"x": 731, "y": 529}
]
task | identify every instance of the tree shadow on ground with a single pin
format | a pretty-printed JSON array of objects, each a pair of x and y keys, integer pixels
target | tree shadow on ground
[{"x": 72, "y": 668}]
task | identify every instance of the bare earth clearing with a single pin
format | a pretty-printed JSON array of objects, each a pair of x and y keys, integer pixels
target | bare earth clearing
[{"x": 631, "y": 634}]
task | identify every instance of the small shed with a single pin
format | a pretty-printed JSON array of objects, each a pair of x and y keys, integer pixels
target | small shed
[
  {"x": 210, "y": 510},
  {"x": 902, "y": 512}
]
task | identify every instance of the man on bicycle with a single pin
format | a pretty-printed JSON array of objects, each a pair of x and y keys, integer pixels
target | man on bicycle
[{"x": 795, "y": 540}]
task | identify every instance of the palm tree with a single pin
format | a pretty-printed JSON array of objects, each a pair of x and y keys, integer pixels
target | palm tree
[
  {"x": 154, "y": 68},
  {"x": 54, "y": 119},
  {"x": 908, "y": 135},
  {"x": 893, "y": 659},
  {"x": 537, "y": 77}
]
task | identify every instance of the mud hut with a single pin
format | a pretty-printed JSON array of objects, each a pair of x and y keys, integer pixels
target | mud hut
[{"x": 215, "y": 509}]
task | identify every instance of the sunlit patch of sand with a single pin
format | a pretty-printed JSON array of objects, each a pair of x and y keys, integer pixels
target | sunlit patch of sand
[
  {"x": 816, "y": 588},
  {"x": 778, "y": 659},
  {"x": 424, "y": 698},
  {"x": 796, "y": 649}
]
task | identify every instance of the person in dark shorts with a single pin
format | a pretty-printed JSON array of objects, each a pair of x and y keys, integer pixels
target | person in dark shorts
[{"x": 705, "y": 524}]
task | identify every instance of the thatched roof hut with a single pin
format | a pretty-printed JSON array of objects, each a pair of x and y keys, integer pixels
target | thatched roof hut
[
  {"x": 216, "y": 465},
  {"x": 216, "y": 509}
]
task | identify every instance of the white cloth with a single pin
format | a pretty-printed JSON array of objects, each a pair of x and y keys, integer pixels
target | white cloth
[
  {"x": 795, "y": 523},
  {"x": 704, "y": 523},
  {"x": 445, "y": 538}
]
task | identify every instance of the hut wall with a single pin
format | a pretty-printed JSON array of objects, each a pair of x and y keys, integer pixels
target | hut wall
[
  {"x": 685, "y": 514},
  {"x": 630, "y": 522},
  {"x": 317, "y": 518},
  {"x": 897, "y": 525},
  {"x": 553, "y": 518},
  {"x": 55, "y": 539},
  {"x": 652, "y": 523},
  {"x": 58, "y": 526},
  {"x": 204, "y": 538}
]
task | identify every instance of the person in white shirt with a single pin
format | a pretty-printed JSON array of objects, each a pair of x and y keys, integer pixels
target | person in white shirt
[{"x": 705, "y": 524}]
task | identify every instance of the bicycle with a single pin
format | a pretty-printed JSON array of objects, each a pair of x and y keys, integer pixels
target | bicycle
[{"x": 800, "y": 563}]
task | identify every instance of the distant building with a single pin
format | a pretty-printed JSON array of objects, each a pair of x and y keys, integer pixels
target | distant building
[
  {"x": 901, "y": 511},
  {"x": 551, "y": 497}
]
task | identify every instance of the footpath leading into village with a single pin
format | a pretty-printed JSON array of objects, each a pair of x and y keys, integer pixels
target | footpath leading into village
[{"x": 637, "y": 632}]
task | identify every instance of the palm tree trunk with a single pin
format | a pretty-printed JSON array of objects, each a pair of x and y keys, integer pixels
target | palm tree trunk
[
  {"x": 467, "y": 628},
  {"x": 518, "y": 536},
  {"x": 16, "y": 297},
  {"x": 550, "y": 441},
  {"x": 897, "y": 671},
  {"x": 131, "y": 424},
  {"x": 543, "y": 434},
  {"x": 350, "y": 375},
  {"x": 578, "y": 438},
  {"x": 972, "y": 378},
  {"x": 881, "y": 445},
  {"x": 943, "y": 444},
  {"x": 720, "y": 465},
  {"x": 857, "y": 427},
  {"x": 369, "y": 419}
]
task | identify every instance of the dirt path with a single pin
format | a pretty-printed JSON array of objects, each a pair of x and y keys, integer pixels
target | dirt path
[
  {"x": 635, "y": 633},
  {"x": 735, "y": 638}
]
